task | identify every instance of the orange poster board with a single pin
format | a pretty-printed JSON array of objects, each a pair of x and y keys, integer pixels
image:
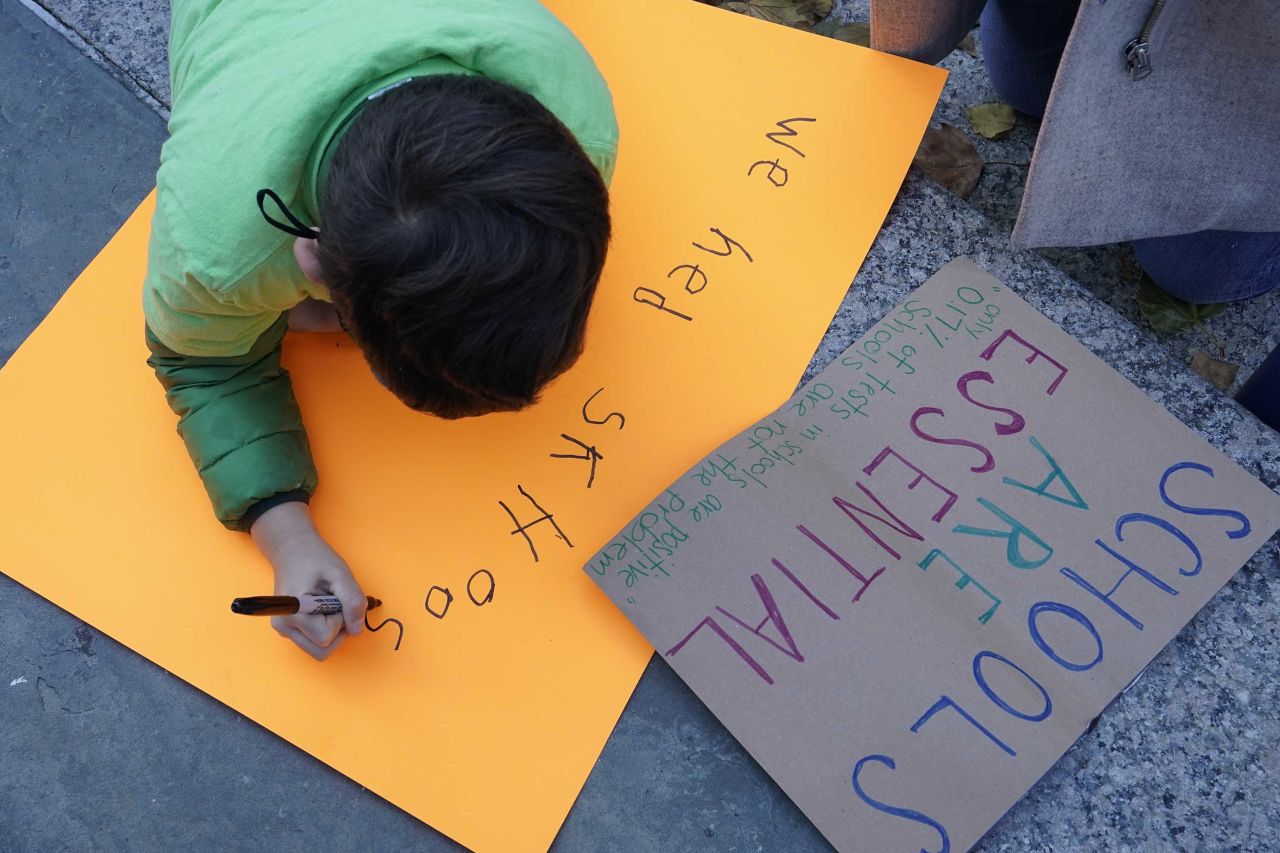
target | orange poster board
[{"x": 487, "y": 719}]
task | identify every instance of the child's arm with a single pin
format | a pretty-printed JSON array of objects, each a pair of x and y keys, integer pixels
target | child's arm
[
  {"x": 243, "y": 430},
  {"x": 240, "y": 422},
  {"x": 304, "y": 563}
]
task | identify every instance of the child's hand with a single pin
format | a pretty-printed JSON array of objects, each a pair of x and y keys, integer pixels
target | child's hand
[{"x": 305, "y": 564}]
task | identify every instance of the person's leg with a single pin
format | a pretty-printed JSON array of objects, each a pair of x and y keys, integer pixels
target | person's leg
[
  {"x": 1212, "y": 266},
  {"x": 1222, "y": 266},
  {"x": 924, "y": 30},
  {"x": 1260, "y": 393},
  {"x": 1022, "y": 42}
]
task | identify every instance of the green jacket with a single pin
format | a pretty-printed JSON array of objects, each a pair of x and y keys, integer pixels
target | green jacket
[{"x": 262, "y": 91}]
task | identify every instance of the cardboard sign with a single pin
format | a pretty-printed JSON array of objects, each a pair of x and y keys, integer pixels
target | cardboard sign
[
  {"x": 910, "y": 589},
  {"x": 743, "y": 198}
]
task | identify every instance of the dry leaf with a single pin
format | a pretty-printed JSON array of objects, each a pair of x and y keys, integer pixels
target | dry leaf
[
  {"x": 991, "y": 120},
  {"x": 1220, "y": 374},
  {"x": 858, "y": 32},
  {"x": 969, "y": 45},
  {"x": 949, "y": 157}
]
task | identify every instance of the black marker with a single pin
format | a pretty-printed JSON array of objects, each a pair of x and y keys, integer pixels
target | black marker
[{"x": 286, "y": 605}]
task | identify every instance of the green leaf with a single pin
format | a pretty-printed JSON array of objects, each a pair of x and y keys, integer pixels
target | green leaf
[
  {"x": 1169, "y": 314},
  {"x": 815, "y": 10},
  {"x": 827, "y": 27},
  {"x": 858, "y": 32},
  {"x": 991, "y": 120},
  {"x": 792, "y": 13}
]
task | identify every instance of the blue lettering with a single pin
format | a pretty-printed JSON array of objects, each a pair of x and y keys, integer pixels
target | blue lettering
[
  {"x": 948, "y": 702},
  {"x": 1156, "y": 521},
  {"x": 897, "y": 811},
  {"x": 1105, "y": 597},
  {"x": 1003, "y": 705},
  {"x": 1072, "y": 614},
  {"x": 1239, "y": 533}
]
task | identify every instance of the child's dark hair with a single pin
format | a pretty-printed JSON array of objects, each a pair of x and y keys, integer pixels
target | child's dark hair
[{"x": 462, "y": 234}]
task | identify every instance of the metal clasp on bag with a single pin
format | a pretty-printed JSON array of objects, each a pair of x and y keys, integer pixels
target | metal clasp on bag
[
  {"x": 1137, "y": 53},
  {"x": 1137, "y": 59}
]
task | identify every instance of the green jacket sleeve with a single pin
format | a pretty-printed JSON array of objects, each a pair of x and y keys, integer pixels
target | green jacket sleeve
[{"x": 240, "y": 422}]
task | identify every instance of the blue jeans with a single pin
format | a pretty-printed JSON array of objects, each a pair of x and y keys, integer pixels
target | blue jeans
[{"x": 1022, "y": 43}]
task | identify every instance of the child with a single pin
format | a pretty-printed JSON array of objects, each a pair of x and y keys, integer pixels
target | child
[{"x": 438, "y": 170}]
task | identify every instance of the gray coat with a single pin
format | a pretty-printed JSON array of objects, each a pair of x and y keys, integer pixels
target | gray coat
[{"x": 1194, "y": 146}]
